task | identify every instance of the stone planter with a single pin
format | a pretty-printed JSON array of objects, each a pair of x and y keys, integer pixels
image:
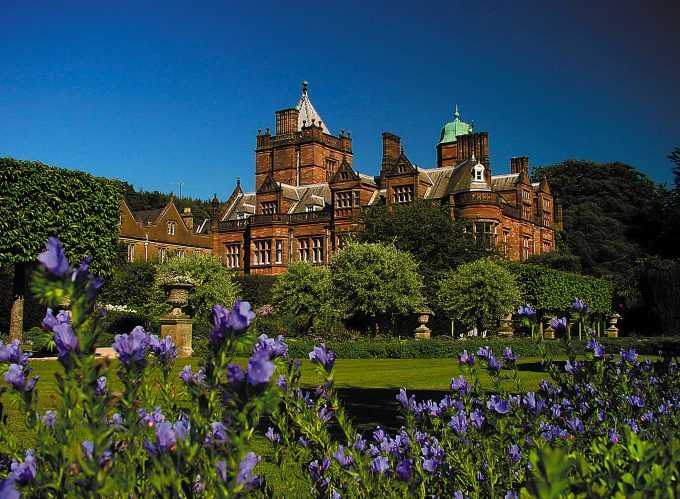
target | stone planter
[{"x": 178, "y": 297}]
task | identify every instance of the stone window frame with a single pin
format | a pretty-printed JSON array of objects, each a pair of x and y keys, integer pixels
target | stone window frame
[
  {"x": 343, "y": 199},
  {"x": 131, "y": 252},
  {"x": 262, "y": 252},
  {"x": 232, "y": 255},
  {"x": 269, "y": 207},
  {"x": 172, "y": 225},
  {"x": 303, "y": 249},
  {"x": 278, "y": 251},
  {"x": 317, "y": 250},
  {"x": 402, "y": 194}
]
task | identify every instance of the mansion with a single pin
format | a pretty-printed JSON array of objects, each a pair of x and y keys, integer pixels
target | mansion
[{"x": 307, "y": 194}]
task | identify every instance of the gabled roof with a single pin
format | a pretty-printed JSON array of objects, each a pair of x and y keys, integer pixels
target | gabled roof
[
  {"x": 344, "y": 172},
  {"x": 148, "y": 216},
  {"x": 504, "y": 182},
  {"x": 308, "y": 114},
  {"x": 269, "y": 184}
]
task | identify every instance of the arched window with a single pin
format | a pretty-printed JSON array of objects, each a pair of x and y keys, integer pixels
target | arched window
[{"x": 478, "y": 173}]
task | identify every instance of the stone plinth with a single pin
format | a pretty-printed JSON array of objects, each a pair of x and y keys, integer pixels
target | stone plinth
[
  {"x": 422, "y": 332},
  {"x": 179, "y": 328}
]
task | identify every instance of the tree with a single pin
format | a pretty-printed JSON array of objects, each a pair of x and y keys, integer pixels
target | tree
[
  {"x": 376, "y": 280},
  {"x": 214, "y": 285},
  {"x": 425, "y": 230},
  {"x": 478, "y": 294},
  {"x": 39, "y": 201},
  {"x": 305, "y": 291},
  {"x": 611, "y": 213}
]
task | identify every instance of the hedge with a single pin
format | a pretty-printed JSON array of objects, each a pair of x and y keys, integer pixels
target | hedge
[
  {"x": 437, "y": 348},
  {"x": 554, "y": 290}
]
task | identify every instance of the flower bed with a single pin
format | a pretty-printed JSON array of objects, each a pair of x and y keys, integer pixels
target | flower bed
[{"x": 600, "y": 427}]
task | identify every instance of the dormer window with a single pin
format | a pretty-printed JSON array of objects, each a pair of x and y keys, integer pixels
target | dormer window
[
  {"x": 312, "y": 207},
  {"x": 478, "y": 173},
  {"x": 268, "y": 208}
]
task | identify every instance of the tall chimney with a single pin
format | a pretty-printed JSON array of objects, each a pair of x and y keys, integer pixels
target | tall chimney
[
  {"x": 520, "y": 164},
  {"x": 188, "y": 218},
  {"x": 287, "y": 121}
]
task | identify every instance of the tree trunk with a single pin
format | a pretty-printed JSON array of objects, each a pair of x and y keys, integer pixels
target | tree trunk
[{"x": 16, "y": 318}]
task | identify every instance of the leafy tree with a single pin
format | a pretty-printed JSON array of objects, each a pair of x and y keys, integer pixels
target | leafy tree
[
  {"x": 425, "y": 230},
  {"x": 39, "y": 201},
  {"x": 611, "y": 213},
  {"x": 478, "y": 294},
  {"x": 214, "y": 285},
  {"x": 376, "y": 280},
  {"x": 138, "y": 200},
  {"x": 305, "y": 291}
]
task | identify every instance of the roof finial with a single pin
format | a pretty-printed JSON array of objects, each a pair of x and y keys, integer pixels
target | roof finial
[
  {"x": 473, "y": 156},
  {"x": 305, "y": 85},
  {"x": 456, "y": 114},
  {"x": 238, "y": 181}
]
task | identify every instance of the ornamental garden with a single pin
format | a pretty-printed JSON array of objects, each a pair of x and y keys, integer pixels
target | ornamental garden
[{"x": 544, "y": 384}]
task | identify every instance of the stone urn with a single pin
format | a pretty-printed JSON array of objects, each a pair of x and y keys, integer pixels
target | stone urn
[
  {"x": 612, "y": 330},
  {"x": 422, "y": 332},
  {"x": 177, "y": 296},
  {"x": 506, "y": 330},
  {"x": 549, "y": 333}
]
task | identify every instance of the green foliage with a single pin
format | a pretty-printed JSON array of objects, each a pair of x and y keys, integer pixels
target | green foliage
[
  {"x": 557, "y": 260},
  {"x": 426, "y": 231},
  {"x": 256, "y": 288},
  {"x": 79, "y": 208},
  {"x": 115, "y": 322},
  {"x": 306, "y": 291},
  {"x": 442, "y": 348},
  {"x": 554, "y": 291},
  {"x": 214, "y": 285},
  {"x": 611, "y": 212},
  {"x": 132, "y": 285},
  {"x": 660, "y": 288},
  {"x": 138, "y": 200},
  {"x": 374, "y": 280},
  {"x": 478, "y": 294}
]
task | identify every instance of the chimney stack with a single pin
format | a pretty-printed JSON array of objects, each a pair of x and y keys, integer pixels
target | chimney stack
[
  {"x": 518, "y": 165},
  {"x": 188, "y": 218},
  {"x": 287, "y": 121}
]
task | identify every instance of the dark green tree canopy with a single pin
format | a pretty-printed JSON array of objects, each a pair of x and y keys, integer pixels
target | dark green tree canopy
[
  {"x": 425, "y": 230},
  {"x": 612, "y": 212},
  {"x": 39, "y": 201},
  {"x": 139, "y": 199}
]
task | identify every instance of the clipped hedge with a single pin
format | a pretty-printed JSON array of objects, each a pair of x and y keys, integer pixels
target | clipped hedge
[
  {"x": 549, "y": 289},
  {"x": 438, "y": 348}
]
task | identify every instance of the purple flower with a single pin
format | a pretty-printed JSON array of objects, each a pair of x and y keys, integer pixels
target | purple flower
[
  {"x": 221, "y": 467},
  {"x": 12, "y": 353},
  {"x": 132, "y": 348},
  {"x": 49, "y": 418},
  {"x": 7, "y": 490},
  {"x": 628, "y": 356},
  {"x": 105, "y": 457},
  {"x": 189, "y": 378},
  {"x": 181, "y": 429},
  {"x": 558, "y": 324},
  {"x": 574, "y": 425},
  {"x": 514, "y": 453},
  {"x": 218, "y": 434},
  {"x": 53, "y": 258},
  {"x": 596, "y": 348},
  {"x": 165, "y": 436},
  {"x": 526, "y": 311},
  {"x": 227, "y": 321},
  {"x": 380, "y": 465},
  {"x": 430, "y": 465},
  {"x": 319, "y": 355},
  {"x": 260, "y": 368},
  {"x": 25, "y": 471},
  {"x": 511, "y": 494},
  {"x": 344, "y": 460},
  {"x": 165, "y": 350},
  {"x": 275, "y": 347},
  {"x": 477, "y": 419},
  {"x": 635, "y": 401},
  {"x": 81, "y": 274},
  {"x": 465, "y": 358},
  {"x": 580, "y": 306},
  {"x": 499, "y": 405},
  {"x": 65, "y": 340},
  {"x": 235, "y": 374},
  {"x": 531, "y": 402},
  {"x": 324, "y": 414},
  {"x": 317, "y": 470},
  {"x": 272, "y": 435},
  {"x": 101, "y": 385},
  {"x": 485, "y": 353},
  {"x": 509, "y": 356},
  {"x": 614, "y": 437},
  {"x": 459, "y": 424},
  {"x": 460, "y": 386},
  {"x": 404, "y": 469},
  {"x": 495, "y": 364},
  {"x": 88, "y": 448},
  {"x": 15, "y": 377},
  {"x": 245, "y": 475}
]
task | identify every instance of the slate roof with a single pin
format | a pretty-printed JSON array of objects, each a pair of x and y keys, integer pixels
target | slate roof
[
  {"x": 308, "y": 112},
  {"x": 148, "y": 216},
  {"x": 504, "y": 182}
]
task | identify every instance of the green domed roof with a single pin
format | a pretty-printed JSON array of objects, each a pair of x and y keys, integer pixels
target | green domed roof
[{"x": 454, "y": 129}]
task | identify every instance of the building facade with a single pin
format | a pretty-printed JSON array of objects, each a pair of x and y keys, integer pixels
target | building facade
[
  {"x": 307, "y": 194},
  {"x": 155, "y": 235}
]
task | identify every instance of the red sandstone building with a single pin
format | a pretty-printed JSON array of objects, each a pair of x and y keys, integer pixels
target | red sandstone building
[{"x": 307, "y": 193}]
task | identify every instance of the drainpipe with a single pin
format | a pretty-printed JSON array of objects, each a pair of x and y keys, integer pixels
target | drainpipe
[{"x": 297, "y": 167}]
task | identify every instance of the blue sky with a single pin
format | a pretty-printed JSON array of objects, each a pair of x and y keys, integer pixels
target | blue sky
[{"x": 160, "y": 92}]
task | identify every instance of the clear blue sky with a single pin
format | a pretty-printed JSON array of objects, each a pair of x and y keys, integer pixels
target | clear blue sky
[{"x": 160, "y": 92}]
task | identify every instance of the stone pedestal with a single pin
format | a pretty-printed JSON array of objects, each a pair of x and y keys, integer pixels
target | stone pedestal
[
  {"x": 422, "y": 332},
  {"x": 506, "y": 330},
  {"x": 179, "y": 328}
]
